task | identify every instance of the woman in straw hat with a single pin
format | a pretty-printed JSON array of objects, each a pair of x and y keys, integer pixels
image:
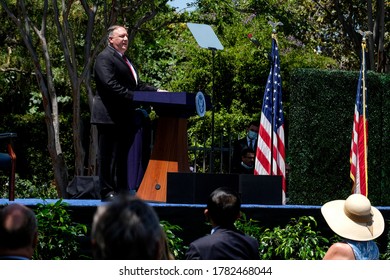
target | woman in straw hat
[{"x": 359, "y": 223}]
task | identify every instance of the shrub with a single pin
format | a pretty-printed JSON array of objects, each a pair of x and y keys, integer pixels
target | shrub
[
  {"x": 386, "y": 253},
  {"x": 58, "y": 236},
  {"x": 175, "y": 243},
  {"x": 250, "y": 227},
  {"x": 28, "y": 188},
  {"x": 297, "y": 241}
]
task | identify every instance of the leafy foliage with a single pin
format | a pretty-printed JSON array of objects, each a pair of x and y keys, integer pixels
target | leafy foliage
[
  {"x": 249, "y": 226},
  {"x": 298, "y": 240},
  {"x": 386, "y": 254},
  {"x": 175, "y": 243},
  {"x": 58, "y": 235},
  {"x": 26, "y": 188}
]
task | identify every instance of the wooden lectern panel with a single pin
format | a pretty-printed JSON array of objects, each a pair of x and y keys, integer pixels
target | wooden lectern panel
[
  {"x": 170, "y": 151},
  {"x": 169, "y": 154}
]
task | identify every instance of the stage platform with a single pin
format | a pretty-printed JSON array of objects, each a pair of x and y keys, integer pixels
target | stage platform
[
  {"x": 191, "y": 219},
  {"x": 185, "y": 215}
]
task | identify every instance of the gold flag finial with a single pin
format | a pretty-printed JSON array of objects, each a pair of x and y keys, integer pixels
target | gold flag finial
[
  {"x": 365, "y": 34},
  {"x": 274, "y": 25}
]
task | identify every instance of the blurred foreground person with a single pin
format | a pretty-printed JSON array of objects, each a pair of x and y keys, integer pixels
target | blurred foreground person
[
  {"x": 128, "y": 229},
  {"x": 18, "y": 232}
]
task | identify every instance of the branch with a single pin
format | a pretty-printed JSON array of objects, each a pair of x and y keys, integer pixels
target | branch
[
  {"x": 148, "y": 16},
  {"x": 12, "y": 69},
  {"x": 68, "y": 49},
  {"x": 326, "y": 10},
  {"x": 91, "y": 14}
]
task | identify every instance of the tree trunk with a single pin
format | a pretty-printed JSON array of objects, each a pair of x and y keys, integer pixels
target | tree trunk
[
  {"x": 348, "y": 28},
  {"x": 66, "y": 37},
  {"x": 380, "y": 27},
  {"x": 371, "y": 46}
]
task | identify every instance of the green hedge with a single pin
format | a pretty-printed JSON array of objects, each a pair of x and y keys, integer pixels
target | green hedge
[{"x": 320, "y": 129}]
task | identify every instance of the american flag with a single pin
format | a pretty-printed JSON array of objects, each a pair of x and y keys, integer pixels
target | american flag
[
  {"x": 358, "y": 154},
  {"x": 272, "y": 115}
]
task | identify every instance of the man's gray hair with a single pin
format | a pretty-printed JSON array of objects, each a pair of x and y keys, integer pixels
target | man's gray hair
[{"x": 111, "y": 30}]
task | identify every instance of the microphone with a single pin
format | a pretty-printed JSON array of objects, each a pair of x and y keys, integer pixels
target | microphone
[{"x": 253, "y": 40}]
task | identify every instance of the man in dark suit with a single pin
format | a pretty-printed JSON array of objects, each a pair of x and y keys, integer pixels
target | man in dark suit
[
  {"x": 225, "y": 242},
  {"x": 249, "y": 141},
  {"x": 114, "y": 112}
]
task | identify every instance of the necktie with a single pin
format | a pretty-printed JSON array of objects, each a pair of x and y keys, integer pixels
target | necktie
[{"x": 131, "y": 68}]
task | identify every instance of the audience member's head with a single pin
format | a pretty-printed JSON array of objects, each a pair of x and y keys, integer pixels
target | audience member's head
[
  {"x": 128, "y": 229},
  {"x": 18, "y": 232},
  {"x": 358, "y": 223},
  {"x": 223, "y": 207},
  {"x": 354, "y": 218}
]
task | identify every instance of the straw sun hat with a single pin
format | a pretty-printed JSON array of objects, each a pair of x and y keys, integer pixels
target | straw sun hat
[{"x": 354, "y": 218}]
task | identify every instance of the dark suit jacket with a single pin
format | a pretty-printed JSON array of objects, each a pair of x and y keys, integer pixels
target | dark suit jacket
[
  {"x": 224, "y": 244},
  {"x": 243, "y": 170},
  {"x": 115, "y": 84}
]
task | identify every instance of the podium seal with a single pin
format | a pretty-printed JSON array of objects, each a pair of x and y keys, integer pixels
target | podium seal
[{"x": 200, "y": 103}]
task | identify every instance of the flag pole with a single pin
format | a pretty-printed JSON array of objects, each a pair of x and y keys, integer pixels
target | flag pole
[
  {"x": 364, "y": 105},
  {"x": 270, "y": 153},
  {"x": 274, "y": 36},
  {"x": 358, "y": 155}
]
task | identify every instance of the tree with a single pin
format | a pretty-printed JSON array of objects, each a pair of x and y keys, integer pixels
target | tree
[
  {"x": 379, "y": 35},
  {"x": 331, "y": 25},
  {"x": 45, "y": 81},
  {"x": 352, "y": 15}
]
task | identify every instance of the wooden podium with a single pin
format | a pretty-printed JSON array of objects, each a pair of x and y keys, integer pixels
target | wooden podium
[{"x": 170, "y": 150}]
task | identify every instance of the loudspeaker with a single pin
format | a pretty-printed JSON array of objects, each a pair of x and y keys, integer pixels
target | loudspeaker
[
  {"x": 195, "y": 188},
  {"x": 180, "y": 187},
  {"x": 260, "y": 189}
]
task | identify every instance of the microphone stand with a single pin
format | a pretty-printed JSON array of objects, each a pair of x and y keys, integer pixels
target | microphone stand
[
  {"x": 213, "y": 50},
  {"x": 206, "y": 38}
]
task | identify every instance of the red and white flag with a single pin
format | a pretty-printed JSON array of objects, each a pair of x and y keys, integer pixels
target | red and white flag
[
  {"x": 270, "y": 154},
  {"x": 358, "y": 154}
]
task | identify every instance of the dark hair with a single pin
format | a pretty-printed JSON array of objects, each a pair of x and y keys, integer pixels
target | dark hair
[
  {"x": 247, "y": 150},
  {"x": 18, "y": 227},
  {"x": 254, "y": 123},
  {"x": 224, "y": 206},
  {"x": 127, "y": 229}
]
